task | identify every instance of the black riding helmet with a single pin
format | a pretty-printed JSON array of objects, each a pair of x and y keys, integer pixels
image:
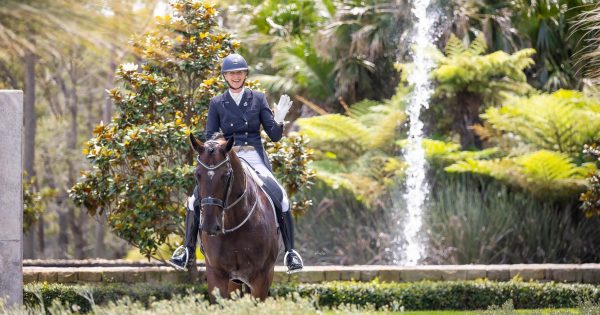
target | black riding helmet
[{"x": 234, "y": 62}]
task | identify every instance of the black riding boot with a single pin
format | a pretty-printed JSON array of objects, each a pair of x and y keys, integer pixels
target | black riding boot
[
  {"x": 286, "y": 225},
  {"x": 184, "y": 254}
]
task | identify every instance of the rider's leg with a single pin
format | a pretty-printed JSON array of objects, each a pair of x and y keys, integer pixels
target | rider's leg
[
  {"x": 286, "y": 225},
  {"x": 184, "y": 254},
  {"x": 284, "y": 217}
]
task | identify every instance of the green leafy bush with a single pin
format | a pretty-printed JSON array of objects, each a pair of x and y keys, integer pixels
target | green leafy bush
[
  {"x": 426, "y": 295},
  {"x": 141, "y": 161}
]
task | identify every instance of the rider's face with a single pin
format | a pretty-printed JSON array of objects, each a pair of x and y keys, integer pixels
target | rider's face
[{"x": 235, "y": 79}]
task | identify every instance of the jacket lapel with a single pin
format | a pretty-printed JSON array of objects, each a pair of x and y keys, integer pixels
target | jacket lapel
[
  {"x": 230, "y": 104},
  {"x": 246, "y": 102}
]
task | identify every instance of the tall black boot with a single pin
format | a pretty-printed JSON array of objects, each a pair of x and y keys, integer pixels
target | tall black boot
[
  {"x": 286, "y": 225},
  {"x": 184, "y": 254}
]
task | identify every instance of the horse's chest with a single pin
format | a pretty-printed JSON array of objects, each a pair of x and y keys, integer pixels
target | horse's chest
[{"x": 232, "y": 258}]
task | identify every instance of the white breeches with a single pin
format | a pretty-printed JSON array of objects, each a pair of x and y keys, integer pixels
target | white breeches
[{"x": 255, "y": 161}]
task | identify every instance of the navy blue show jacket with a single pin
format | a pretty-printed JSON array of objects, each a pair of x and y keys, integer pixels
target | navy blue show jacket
[{"x": 243, "y": 122}]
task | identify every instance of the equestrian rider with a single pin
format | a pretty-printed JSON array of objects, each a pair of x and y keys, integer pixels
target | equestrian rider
[{"x": 239, "y": 113}]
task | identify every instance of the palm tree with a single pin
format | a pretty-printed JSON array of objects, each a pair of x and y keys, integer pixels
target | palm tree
[
  {"x": 546, "y": 25},
  {"x": 363, "y": 42},
  {"x": 588, "y": 57}
]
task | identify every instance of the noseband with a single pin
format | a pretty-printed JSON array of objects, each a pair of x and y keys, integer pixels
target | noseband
[{"x": 210, "y": 201}]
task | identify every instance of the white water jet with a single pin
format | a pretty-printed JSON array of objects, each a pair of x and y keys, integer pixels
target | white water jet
[{"x": 414, "y": 154}]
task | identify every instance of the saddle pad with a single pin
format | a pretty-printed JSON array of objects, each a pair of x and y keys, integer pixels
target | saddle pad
[{"x": 260, "y": 181}]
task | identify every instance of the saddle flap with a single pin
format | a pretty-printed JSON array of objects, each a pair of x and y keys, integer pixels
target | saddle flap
[{"x": 267, "y": 184}]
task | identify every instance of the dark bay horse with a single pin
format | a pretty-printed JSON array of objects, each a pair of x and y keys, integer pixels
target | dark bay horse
[{"x": 238, "y": 227}]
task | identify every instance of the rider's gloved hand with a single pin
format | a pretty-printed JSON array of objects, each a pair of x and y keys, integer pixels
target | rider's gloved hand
[{"x": 282, "y": 108}]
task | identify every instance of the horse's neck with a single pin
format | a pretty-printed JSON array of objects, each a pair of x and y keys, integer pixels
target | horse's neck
[
  {"x": 242, "y": 186},
  {"x": 239, "y": 177}
]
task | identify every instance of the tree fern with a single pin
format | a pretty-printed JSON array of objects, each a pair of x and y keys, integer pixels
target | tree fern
[
  {"x": 343, "y": 135},
  {"x": 360, "y": 150},
  {"x": 454, "y": 47},
  {"x": 477, "y": 47},
  {"x": 487, "y": 75},
  {"x": 444, "y": 153},
  {"x": 363, "y": 107},
  {"x": 548, "y": 166},
  {"x": 543, "y": 173},
  {"x": 562, "y": 121}
]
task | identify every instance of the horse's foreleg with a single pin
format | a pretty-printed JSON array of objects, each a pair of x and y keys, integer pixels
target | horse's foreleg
[
  {"x": 217, "y": 280},
  {"x": 232, "y": 287},
  {"x": 262, "y": 283}
]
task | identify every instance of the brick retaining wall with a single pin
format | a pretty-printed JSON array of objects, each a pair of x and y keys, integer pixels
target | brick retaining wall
[{"x": 584, "y": 273}]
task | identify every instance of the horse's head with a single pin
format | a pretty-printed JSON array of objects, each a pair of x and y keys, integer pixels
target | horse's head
[{"x": 214, "y": 176}]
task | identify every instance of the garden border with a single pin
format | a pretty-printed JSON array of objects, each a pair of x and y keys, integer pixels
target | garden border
[{"x": 563, "y": 273}]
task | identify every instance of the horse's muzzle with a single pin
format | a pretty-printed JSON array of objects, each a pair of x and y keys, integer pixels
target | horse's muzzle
[{"x": 212, "y": 231}]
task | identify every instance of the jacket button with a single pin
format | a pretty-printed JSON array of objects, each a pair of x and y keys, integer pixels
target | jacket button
[
  {"x": 246, "y": 133},
  {"x": 246, "y": 142},
  {"x": 246, "y": 123},
  {"x": 231, "y": 125}
]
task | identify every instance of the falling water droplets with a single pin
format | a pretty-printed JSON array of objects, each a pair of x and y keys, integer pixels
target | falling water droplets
[{"x": 411, "y": 248}]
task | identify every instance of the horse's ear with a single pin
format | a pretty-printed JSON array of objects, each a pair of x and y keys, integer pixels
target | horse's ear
[
  {"x": 197, "y": 145},
  {"x": 229, "y": 144}
]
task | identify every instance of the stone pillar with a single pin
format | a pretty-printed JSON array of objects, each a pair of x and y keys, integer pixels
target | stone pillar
[{"x": 11, "y": 197}]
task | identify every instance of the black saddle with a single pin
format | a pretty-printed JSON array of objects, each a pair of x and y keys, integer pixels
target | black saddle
[{"x": 272, "y": 188}]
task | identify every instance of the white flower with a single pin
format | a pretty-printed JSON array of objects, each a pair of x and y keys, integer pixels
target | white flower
[{"x": 129, "y": 67}]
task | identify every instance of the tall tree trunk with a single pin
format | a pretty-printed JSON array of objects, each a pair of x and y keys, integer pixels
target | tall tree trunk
[
  {"x": 107, "y": 112},
  {"x": 49, "y": 182},
  {"x": 76, "y": 222},
  {"x": 63, "y": 223},
  {"x": 29, "y": 124},
  {"x": 466, "y": 114},
  {"x": 40, "y": 237},
  {"x": 100, "y": 246}
]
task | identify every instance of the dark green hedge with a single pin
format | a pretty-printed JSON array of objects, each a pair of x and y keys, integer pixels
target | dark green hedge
[{"x": 458, "y": 295}]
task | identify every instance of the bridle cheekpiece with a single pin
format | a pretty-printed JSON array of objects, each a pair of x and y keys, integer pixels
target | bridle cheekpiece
[{"x": 210, "y": 201}]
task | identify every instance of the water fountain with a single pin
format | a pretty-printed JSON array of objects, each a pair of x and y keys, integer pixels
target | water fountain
[{"x": 416, "y": 187}]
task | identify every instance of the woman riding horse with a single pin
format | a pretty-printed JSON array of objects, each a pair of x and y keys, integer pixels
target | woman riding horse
[{"x": 239, "y": 113}]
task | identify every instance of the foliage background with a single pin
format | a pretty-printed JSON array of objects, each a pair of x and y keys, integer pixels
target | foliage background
[{"x": 512, "y": 126}]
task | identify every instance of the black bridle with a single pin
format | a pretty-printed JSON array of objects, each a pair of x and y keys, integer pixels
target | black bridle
[{"x": 211, "y": 201}]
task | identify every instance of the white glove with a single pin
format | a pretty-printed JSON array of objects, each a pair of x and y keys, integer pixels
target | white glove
[
  {"x": 190, "y": 202},
  {"x": 282, "y": 108}
]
